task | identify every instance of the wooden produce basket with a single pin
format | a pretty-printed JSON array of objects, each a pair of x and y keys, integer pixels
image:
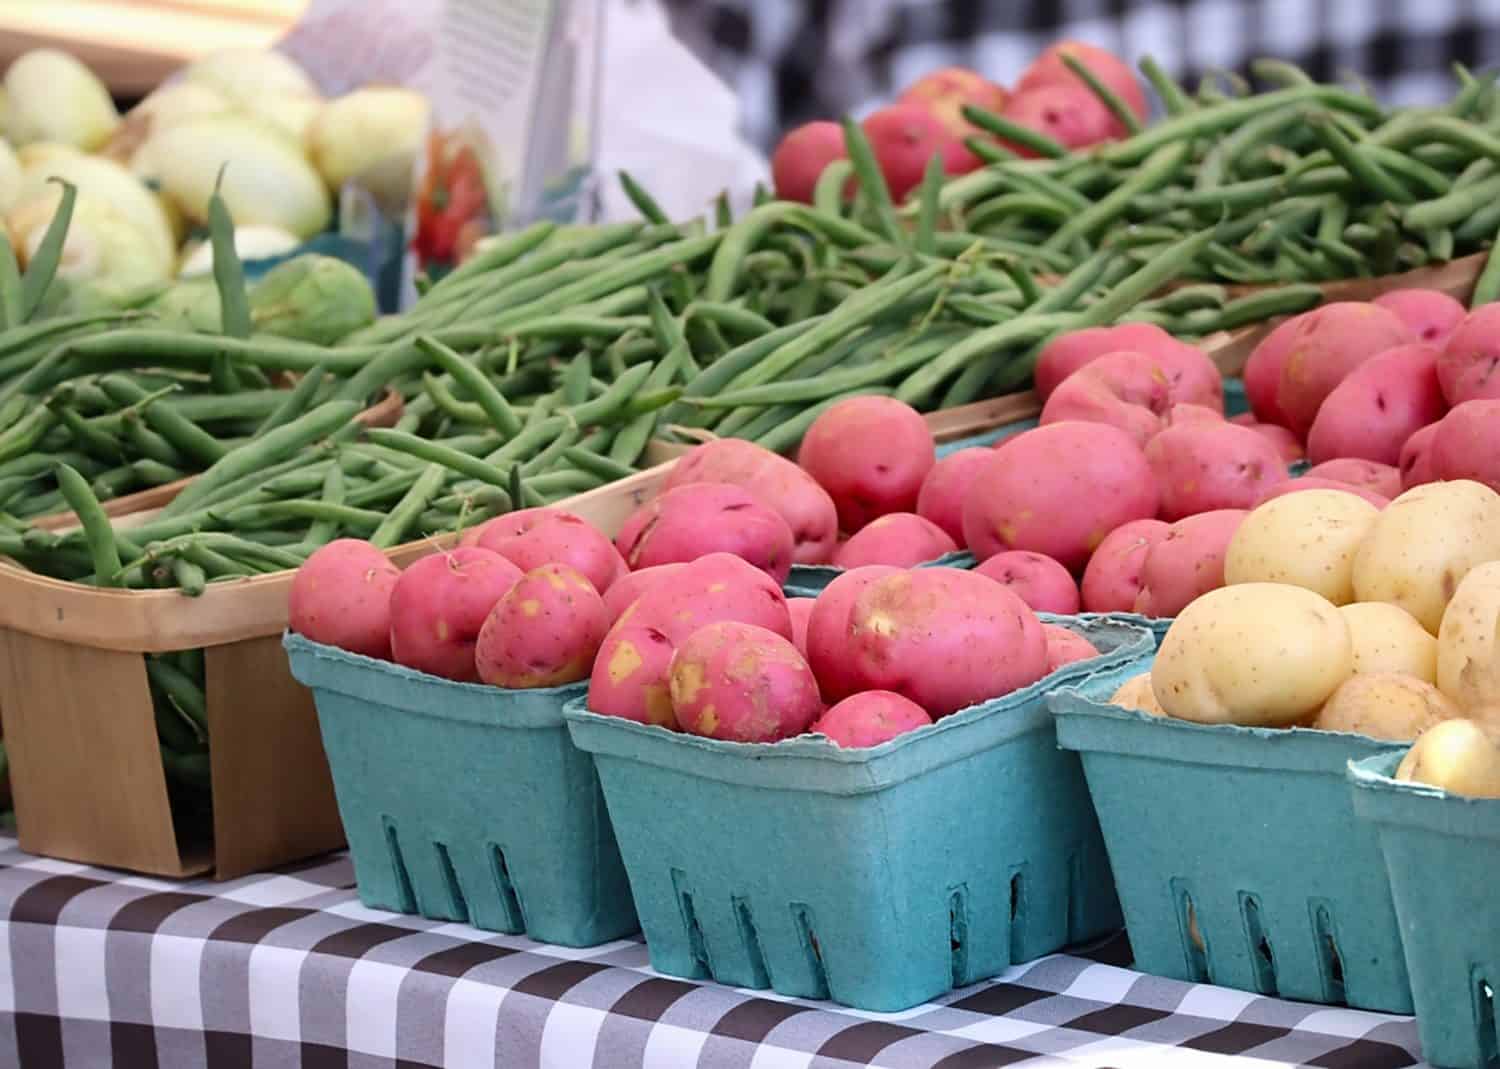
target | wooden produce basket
[{"x": 79, "y": 725}]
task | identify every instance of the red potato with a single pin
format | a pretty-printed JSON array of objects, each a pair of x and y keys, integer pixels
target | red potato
[
  {"x": 440, "y": 604},
  {"x": 870, "y": 718},
  {"x": 1068, "y": 352},
  {"x": 1328, "y": 343},
  {"x": 554, "y": 536},
  {"x": 1416, "y": 458},
  {"x": 776, "y": 482},
  {"x": 1467, "y": 443},
  {"x": 1286, "y": 443},
  {"x": 629, "y": 679},
  {"x": 510, "y": 525},
  {"x": 1049, "y": 69},
  {"x": 871, "y": 454},
  {"x": 1430, "y": 314},
  {"x": 1309, "y": 482},
  {"x": 1187, "y": 562},
  {"x": 1066, "y": 647},
  {"x": 800, "y": 610},
  {"x": 1201, "y": 467},
  {"x": 625, "y": 590},
  {"x": 902, "y": 539},
  {"x": 941, "y": 499},
  {"x": 1070, "y": 115},
  {"x": 1381, "y": 404},
  {"x": 904, "y": 137},
  {"x": 1058, "y": 490},
  {"x": 1262, "y": 374},
  {"x": 1382, "y": 479},
  {"x": 1190, "y": 413},
  {"x": 341, "y": 596},
  {"x": 1039, "y": 581},
  {"x": 544, "y": 632},
  {"x": 719, "y": 586},
  {"x": 943, "y": 93},
  {"x": 828, "y": 630},
  {"x": 1112, "y": 579},
  {"x": 691, "y": 521},
  {"x": 1469, "y": 366},
  {"x": 801, "y": 156},
  {"x": 944, "y": 638},
  {"x": 741, "y": 683},
  {"x": 1123, "y": 390}
]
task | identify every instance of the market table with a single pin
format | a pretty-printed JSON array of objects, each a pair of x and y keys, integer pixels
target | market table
[{"x": 285, "y": 969}]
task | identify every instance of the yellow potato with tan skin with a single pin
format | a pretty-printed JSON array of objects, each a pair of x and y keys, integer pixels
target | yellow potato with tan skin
[
  {"x": 1137, "y": 694},
  {"x": 1456, "y": 755},
  {"x": 1307, "y": 539},
  {"x": 1468, "y": 645},
  {"x": 1257, "y": 654},
  {"x": 1387, "y": 638},
  {"x": 1386, "y": 706},
  {"x": 1424, "y": 543}
]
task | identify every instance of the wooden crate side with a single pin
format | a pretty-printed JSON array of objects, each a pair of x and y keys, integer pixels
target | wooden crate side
[
  {"x": 85, "y": 767},
  {"x": 273, "y": 796}
]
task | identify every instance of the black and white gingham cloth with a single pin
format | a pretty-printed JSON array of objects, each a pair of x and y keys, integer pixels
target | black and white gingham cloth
[
  {"x": 283, "y": 970},
  {"x": 796, "y": 60}
]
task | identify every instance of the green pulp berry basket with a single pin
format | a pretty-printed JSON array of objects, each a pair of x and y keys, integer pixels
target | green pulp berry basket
[
  {"x": 1236, "y": 851},
  {"x": 464, "y": 802},
  {"x": 876, "y": 877},
  {"x": 1442, "y": 854}
]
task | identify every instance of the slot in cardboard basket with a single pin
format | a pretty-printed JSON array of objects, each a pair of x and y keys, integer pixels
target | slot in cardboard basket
[
  {"x": 1236, "y": 851},
  {"x": 86, "y": 770},
  {"x": 1442, "y": 854},
  {"x": 880, "y": 877}
]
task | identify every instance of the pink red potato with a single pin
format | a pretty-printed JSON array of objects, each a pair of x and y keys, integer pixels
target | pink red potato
[
  {"x": 1049, "y": 69},
  {"x": 1416, "y": 458},
  {"x": 1068, "y": 114},
  {"x": 544, "y": 632},
  {"x": 341, "y": 596},
  {"x": 828, "y": 630},
  {"x": 870, "y": 718},
  {"x": 1262, "y": 374},
  {"x": 871, "y": 455},
  {"x": 1066, "y": 647},
  {"x": 1123, "y": 390},
  {"x": 1030, "y": 493},
  {"x": 1313, "y": 482},
  {"x": 742, "y": 683},
  {"x": 904, "y": 137},
  {"x": 941, "y": 499},
  {"x": 1327, "y": 344},
  {"x": 629, "y": 679},
  {"x": 1378, "y": 406},
  {"x": 439, "y": 605},
  {"x": 944, "y": 638},
  {"x": 1039, "y": 581},
  {"x": 1467, "y": 443},
  {"x": 1192, "y": 376},
  {"x": 775, "y": 482},
  {"x": 691, "y": 521},
  {"x": 800, "y": 610},
  {"x": 535, "y": 537},
  {"x": 1383, "y": 479},
  {"x": 1286, "y": 443},
  {"x": 1429, "y": 314},
  {"x": 1187, "y": 563},
  {"x": 1112, "y": 580},
  {"x": 1469, "y": 367},
  {"x": 943, "y": 94},
  {"x": 801, "y": 156},
  {"x": 902, "y": 539},
  {"x": 510, "y": 525},
  {"x": 624, "y": 590},
  {"x": 1191, "y": 413},
  {"x": 1200, "y": 467}
]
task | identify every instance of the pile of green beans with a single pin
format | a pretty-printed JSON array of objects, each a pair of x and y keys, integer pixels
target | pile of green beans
[{"x": 1306, "y": 182}]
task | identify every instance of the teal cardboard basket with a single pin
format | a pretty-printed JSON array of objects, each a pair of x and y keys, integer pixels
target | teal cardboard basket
[
  {"x": 880, "y": 877},
  {"x": 1442, "y": 853},
  {"x": 1248, "y": 832},
  {"x": 466, "y": 803},
  {"x": 809, "y": 580}
]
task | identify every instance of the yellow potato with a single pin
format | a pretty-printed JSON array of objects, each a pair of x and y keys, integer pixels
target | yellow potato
[
  {"x": 1456, "y": 755},
  {"x": 1424, "y": 543},
  {"x": 1307, "y": 539},
  {"x": 1468, "y": 646},
  {"x": 1387, "y": 638},
  {"x": 1386, "y": 706},
  {"x": 1258, "y": 654},
  {"x": 1137, "y": 694}
]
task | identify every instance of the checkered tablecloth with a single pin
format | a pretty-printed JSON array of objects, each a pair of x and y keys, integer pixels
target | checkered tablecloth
[{"x": 287, "y": 969}]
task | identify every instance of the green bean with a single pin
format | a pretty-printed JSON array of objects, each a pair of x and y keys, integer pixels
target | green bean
[
  {"x": 91, "y": 439},
  {"x": 643, "y": 201},
  {"x": 183, "y": 434},
  {"x": 175, "y": 729},
  {"x": 42, "y": 266},
  {"x": 294, "y": 402},
  {"x": 436, "y": 453},
  {"x": 596, "y": 464},
  {"x": 1174, "y": 99},
  {"x": 325, "y": 528},
  {"x": 609, "y": 403},
  {"x": 1107, "y": 96},
  {"x": 96, "y": 527},
  {"x": 449, "y": 404},
  {"x": 190, "y": 770},
  {"x": 394, "y": 527},
  {"x": 1279, "y": 73},
  {"x": 816, "y": 389},
  {"x": 1409, "y": 169},
  {"x": 1439, "y": 243},
  {"x": 1159, "y": 169},
  {"x": 191, "y": 578},
  {"x": 871, "y": 180},
  {"x": 566, "y": 438},
  {"x": 12, "y": 307},
  {"x": 830, "y": 189},
  {"x": 1361, "y": 166},
  {"x": 1225, "y": 156},
  {"x": 1022, "y": 330},
  {"x": 181, "y": 690},
  {"x": 229, "y": 274},
  {"x": 738, "y": 320},
  {"x": 505, "y": 250},
  {"x": 1481, "y": 225},
  {"x": 555, "y": 484},
  {"x": 501, "y": 415},
  {"x": 1289, "y": 217},
  {"x": 1014, "y": 133},
  {"x": 154, "y": 473},
  {"x": 1455, "y": 207},
  {"x": 21, "y": 437},
  {"x": 1487, "y": 286}
]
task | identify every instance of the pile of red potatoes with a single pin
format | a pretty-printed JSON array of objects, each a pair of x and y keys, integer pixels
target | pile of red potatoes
[{"x": 927, "y": 119}]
